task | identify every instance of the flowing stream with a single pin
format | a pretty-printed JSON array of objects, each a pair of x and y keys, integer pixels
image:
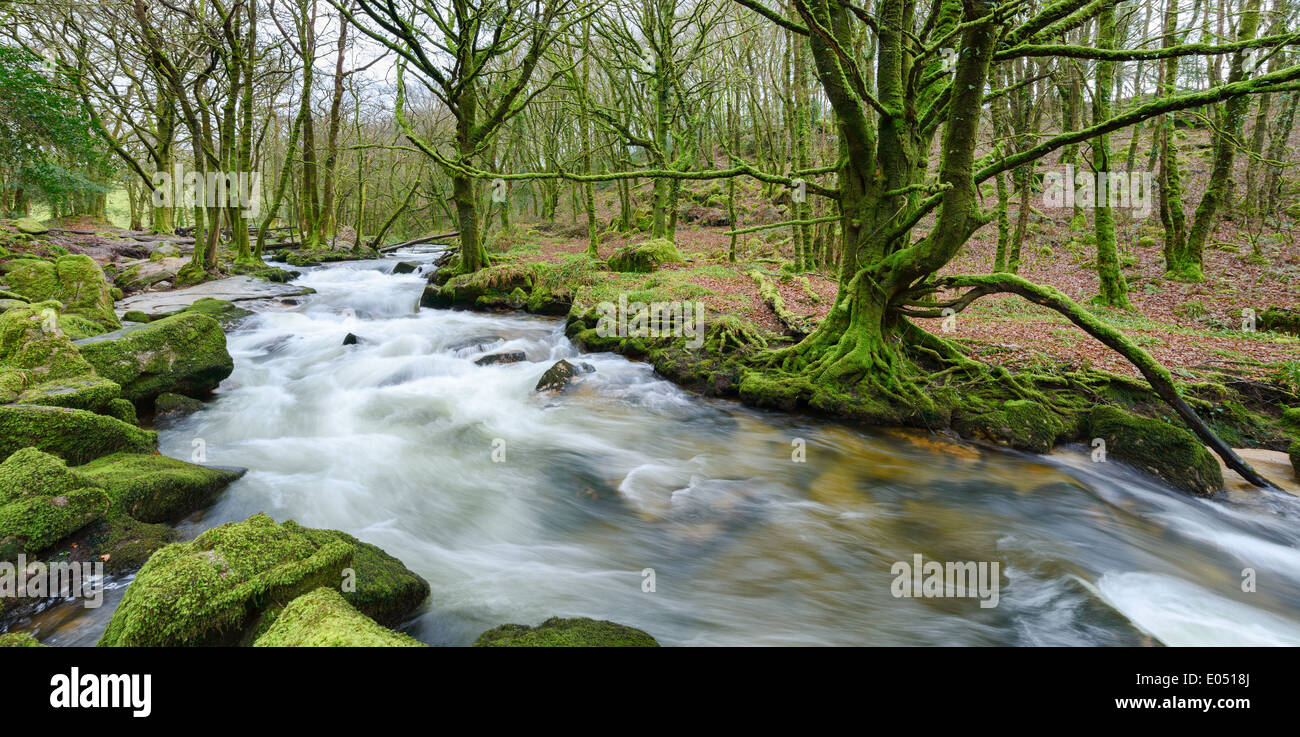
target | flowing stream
[{"x": 517, "y": 506}]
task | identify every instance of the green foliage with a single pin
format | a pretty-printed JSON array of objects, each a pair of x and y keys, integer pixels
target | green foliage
[{"x": 48, "y": 147}]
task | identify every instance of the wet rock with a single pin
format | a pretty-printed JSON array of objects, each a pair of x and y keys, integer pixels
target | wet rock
[
  {"x": 75, "y": 435},
  {"x": 406, "y": 267},
  {"x": 1162, "y": 450},
  {"x": 234, "y": 289},
  {"x": 170, "y": 406},
  {"x": 557, "y": 632},
  {"x": 477, "y": 343},
  {"x": 496, "y": 358},
  {"x": 351, "y": 339},
  {"x": 42, "y": 501},
  {"x": 156, "y": 488},
  {"x": 586, "y": 368},
  {"x": 323, "y": 618},
  {"x": 226, "y": 585},
  {"x": 557, "y": 377},
  {"x": 183, "y": 354}
]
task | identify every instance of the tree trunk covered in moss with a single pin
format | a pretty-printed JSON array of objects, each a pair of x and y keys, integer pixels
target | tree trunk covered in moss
[
  {"x": 1172, "y": 215},
  {"x": 1114, "y": 290},
  {"x": 1226, "y": 140}
]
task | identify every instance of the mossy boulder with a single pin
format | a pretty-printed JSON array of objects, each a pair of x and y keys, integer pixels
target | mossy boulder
[
  {"x": 30, "y": 226},
  {"x": 1157, "y": 448},
  {"x": 136, "y": 316},
  {"x": 122, "y": 410},
  {"x": 74, "y": 280},
  {"x": 40, "y": 365},
  {"x": 1294, "y": 454},
  {"x": 1022, "y": 424},
  {"x": 557, "y": 632},
  {"x": 156, "y": 488},
  {"x": 214, "y": 589},
  {"x": 1291, "y": 420},
  {"x": 385, "y": 590},
  {"x": 184, "y": 354},
  {"x": 19, "y": 639},
  {"x": 120, "y": 542},
  {"x": 42, "y": 501},
  {"x": 644, "y": 258},
  {"x": 225, "y": 313},
  {"x": 169, "y": 405},
  {"x": 323, "y": 618},
  {"x": 75, "y": 435}
]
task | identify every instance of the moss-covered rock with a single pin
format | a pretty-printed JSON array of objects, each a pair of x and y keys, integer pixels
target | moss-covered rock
[
  {"x": 136, "y": 316},
  {"x": 1294, "y": 453},
  {"x": 385, "y": 590},
  {"x": 213, "y": 589},
  {"x": 30, "y": 226},
  {"x": 557, "y": 632},
  {"x": 19, "y": 639},
  {"x": 169, "y": 405},
  {"x": 75, "y": 435},
  {"x": 644, "y": 258},
  {"x": 156, "y": 488},
  {"x": 121, "y": 543},
  {"x": 225, "y": 313},
  {"x": 185, "y": 354},
  {"x": 1162, "y": 450},
  {"x": 42, "y": 501},
  {"x": 122, "y": 410},
  {"x": 1022, "y": 424},
  {"x": 1281, "y": 320},
  {"x": 557, "y": 377},
  {"x": 74, "y": 280},
  {"x": 323, "y": 618},
  {"x": 40, "y": 365}
]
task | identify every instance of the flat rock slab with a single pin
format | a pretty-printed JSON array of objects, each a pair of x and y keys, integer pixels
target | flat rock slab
[
  {"x": 1273, "y": 464},
  {"x": 233, "y": 289}
]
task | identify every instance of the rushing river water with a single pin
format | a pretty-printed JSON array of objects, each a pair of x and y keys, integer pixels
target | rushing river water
[{"x": 399, "y": 440}]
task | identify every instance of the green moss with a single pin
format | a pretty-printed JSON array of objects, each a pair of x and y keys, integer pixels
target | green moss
[
  {"x": 75, "y": 435},
  {"x": 323, "y": 618},
  {"x": 122, "y": 410},
  {"x": 31, "y": 472},
  {"x": 1294, "y": 453},
  {"x": 126, "y": 542},
  {"x": 1291, "y": 419},
  {"x": 646, "y": 257},
  {"x": 213, "y": 589},
  {"x": 19, "y": 639},
  {"x": 136, "y": 316},
  {"x": 385, "y": 589},
  {"x": 156, "y": 488},
  {"x": 30, "y": 524},
  {"x": 185, "y": 354},
  {"x": 1019, "y": 423},
  {"x": 557, "y": 632},
  {"x": 1167, "y": 452},
  {"x": 225, "y": 313},
  {"x": 74, "y": 280},
  {"x": 175, "y": 404}
]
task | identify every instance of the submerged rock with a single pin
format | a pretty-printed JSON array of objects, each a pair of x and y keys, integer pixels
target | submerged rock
[
  {"x": 43, "y": 501},
  {"x": 75, "y": 435},
  {"x": 557, "y": 632},
  {"x": 184, "y": 354},
  {"x": 351, "y": 339},
  {"x": 225, "y": 585},
  {"x": 323, "y": 618},
  {"x": 406, "y": 267},
  {"x": 156, "y": 488},
  {"x": 557, "y": 377},
  {"x": 1162, "y": 450},
  {"x": 507, "y": 357}
]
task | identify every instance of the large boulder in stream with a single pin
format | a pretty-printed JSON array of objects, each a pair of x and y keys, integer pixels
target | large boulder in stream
[
  {"x": 323, "y": 618},
  {"x": 557, "y": 632},
  {"x": 229, "y": 584},
  {"x": 43, "y": 501},
  {"x": 184, "y": 354},
  {"x": 156, "y": 488},
  {"x": 75, "y": 435},
  {"x": 557, "y": 377},
  {"x": 1170, "y": 453}
]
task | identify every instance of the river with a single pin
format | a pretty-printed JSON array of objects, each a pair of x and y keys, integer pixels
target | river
[{"x": 700, "y": 521}]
